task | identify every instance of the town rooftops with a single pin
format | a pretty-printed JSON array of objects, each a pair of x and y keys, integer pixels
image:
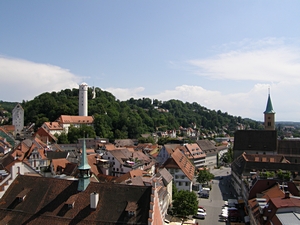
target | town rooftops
[{"x": 57, "y": 201}]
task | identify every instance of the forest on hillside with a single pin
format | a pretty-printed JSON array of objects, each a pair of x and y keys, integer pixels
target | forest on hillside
[{"x": 115, "y": 119}]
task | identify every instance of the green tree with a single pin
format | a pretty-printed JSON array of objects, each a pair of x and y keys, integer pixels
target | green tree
[
  {"x": 283, "y": 175},
  {"x": 185, "y": 204},
  {"x": 84, "y": 131},
  {"x": 228, "y": 156},
  {"x": 146, "y": 140},
  {"x": 204, "y": 176},
  {"x": 62, "y": 138}
]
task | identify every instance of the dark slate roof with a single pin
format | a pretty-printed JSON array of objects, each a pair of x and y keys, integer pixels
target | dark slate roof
[
  {"x": 289, "y": 147},
  {"x": 5, "y": 161},
  {"x": 56, "y": 155},
  {"x": 260, "y": 140},
  {"x": 47, "y": 199},
  {"x": 206, "y": 145}
]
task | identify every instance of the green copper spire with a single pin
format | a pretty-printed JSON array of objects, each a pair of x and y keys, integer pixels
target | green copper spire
[
  {"x": 84, "y": 165},
  {"x": 269, "y": 108},
  {"x": 84, "y": 170}
]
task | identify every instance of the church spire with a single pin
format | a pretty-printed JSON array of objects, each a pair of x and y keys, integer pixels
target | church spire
[
  {"x": 269, "y": 108},
  {"x": 84, "y": 170},
  {"x": 269, "y": 121}
]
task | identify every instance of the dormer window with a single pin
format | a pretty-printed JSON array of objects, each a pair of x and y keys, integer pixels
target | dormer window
[
  {"x": 131, "y": 208},
  {"x": 131, "y": 213},
  {"x": 71, "y": 201},
  {"x": 22, "y": 195}
]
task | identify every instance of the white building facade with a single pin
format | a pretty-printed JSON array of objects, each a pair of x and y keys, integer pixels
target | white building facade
[{"x": 83, "y": 99}]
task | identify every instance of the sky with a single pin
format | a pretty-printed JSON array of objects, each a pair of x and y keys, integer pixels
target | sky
[{"x": 224, "y": 55}]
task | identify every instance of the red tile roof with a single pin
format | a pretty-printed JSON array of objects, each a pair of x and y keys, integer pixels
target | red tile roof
[
  {"x": 180, "y": 161},
  {"x": 67, "y": 119}
]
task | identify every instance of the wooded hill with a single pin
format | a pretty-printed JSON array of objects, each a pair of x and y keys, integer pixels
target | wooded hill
[{"x": 116, "y": 119}]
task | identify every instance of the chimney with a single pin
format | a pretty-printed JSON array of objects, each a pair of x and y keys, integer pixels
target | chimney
[
  {"x": 94, "y": 199},
  {"x": 287, "y": 194}
]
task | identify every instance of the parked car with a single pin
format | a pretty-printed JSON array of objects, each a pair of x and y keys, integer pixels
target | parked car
[
  {"x": 201, "y": 211},
  {"x": 204, "y": 195},
  {"x": 201, "y": 207},
  {"x": 200, "y": 215}
]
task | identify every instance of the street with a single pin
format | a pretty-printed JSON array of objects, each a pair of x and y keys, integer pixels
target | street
[{"x": 220, "y": 192}]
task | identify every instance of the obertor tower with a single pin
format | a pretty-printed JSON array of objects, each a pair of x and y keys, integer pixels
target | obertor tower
[
  {"x": 83, "y": 99},
  {"x": 269, "y": 121}
]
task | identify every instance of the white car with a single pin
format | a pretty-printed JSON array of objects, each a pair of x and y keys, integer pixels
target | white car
[
  {"x": 202, "y": 211},
  {"x": 200, "y": 215}
]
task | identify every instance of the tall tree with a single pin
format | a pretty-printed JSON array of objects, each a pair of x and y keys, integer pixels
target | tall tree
[
  {"x": 185, "y": 204},
  {"x": 204, "y": 176}
]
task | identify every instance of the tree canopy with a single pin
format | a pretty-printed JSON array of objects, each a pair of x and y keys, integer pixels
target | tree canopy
[
  {"x": 185, "y": 203},
  {"x": 204, "y": 176}
]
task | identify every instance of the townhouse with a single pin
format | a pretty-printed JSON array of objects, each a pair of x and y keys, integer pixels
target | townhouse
[
  {"x": 195, "y": 154},
  {"x": 122, "y": 160},
  {"x": 182, "y": 170}
]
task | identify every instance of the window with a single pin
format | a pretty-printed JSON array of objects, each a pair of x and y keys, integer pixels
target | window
[
  {"x": 182, "y": 176},
  {"x": 179, "y": 184},
  {"x": 269, "y": 124},
  {"x": 108, "y": 157},
  {"x": 186, "y": 183}
]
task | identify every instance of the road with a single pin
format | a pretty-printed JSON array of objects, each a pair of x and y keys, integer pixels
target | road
[{"x": 219, "y": 193}]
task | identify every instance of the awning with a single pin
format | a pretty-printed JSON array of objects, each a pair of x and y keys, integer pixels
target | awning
[{"x": 241, "y": 201}]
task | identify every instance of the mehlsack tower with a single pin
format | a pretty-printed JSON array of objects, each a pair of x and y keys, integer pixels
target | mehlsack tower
[{"x": 83, "y": 99}]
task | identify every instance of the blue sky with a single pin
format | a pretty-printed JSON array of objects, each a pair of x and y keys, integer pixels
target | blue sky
[{"x": 221, "y": 54}]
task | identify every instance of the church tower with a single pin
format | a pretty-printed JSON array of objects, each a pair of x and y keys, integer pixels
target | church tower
[
  {"x": 83, "y": 99},
  {"x": 84, "y": 170},
  {"x": 18, "y": 118},
  {"x": 269, "y": 121}
]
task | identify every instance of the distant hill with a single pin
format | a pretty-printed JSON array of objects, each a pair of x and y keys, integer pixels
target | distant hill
[
  {"x": 8, "y": 106},
  {"x": 129, "y": 119}
]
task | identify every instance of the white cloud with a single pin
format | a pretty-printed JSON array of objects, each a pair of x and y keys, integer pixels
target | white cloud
[
  {"x": 23, "y": 80},
  {"x": 268, "y": 60}
]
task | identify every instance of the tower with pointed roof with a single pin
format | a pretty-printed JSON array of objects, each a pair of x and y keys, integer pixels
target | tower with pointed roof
[
  {"x": 84, "y": 170},
  {"x": 18, "y": 118},
  {"x": 269, "y": 121}
]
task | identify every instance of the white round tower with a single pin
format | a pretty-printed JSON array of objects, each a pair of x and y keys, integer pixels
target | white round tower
[{"x": 83, "y": 99}]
